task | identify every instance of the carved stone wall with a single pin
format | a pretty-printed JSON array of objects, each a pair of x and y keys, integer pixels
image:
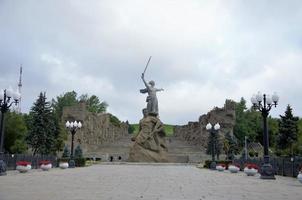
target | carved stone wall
[
  {"x": 97, "y": 128},
  {"x": 195, "y": 133}
]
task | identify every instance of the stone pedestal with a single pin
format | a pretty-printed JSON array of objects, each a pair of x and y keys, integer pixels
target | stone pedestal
[{"x": 149, "y": 145}]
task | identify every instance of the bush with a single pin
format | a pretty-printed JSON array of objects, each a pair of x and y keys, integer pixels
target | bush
[
  {"x": 78, "y": 153},
  {"x": 207, "y": 163},
  {"x": 66, "y": 152},
  {"x": 115, "y": 121},
  {"x": 80, "y": 162}
]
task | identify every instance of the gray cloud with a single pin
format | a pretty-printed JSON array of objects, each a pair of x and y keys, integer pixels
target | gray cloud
[{"x": 203, "y": 52}]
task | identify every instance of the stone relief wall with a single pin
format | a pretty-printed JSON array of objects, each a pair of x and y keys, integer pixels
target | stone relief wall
[
  {"x": 97, "y": 128},
  {"x": 195, "y": 133}
]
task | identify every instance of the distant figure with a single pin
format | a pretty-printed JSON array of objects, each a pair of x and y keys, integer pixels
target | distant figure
[{"x": 152, "y": 102}]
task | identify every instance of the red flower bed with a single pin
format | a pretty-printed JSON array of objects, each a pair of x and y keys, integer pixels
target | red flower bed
[
  {"x": 44, "y": 162},
  {"x": 236, "y": 165},
  {"x": 222, "y": 165},
  {"x": 251, "y": 165},
  {"x": 23, "y": 163}
]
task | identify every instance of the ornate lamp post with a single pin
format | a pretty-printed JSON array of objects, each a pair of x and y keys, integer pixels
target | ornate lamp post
[
  {"x": 73, "y": 127},
  {"x": 7, "y": 98},
  {"x": 213, "y": 130},
  {"x": 264, "y": 103}
]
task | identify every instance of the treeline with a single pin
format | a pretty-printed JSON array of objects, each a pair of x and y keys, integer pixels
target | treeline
[
  {"x": 285, "y": 133},
  {"x": 41, "y": 130}
]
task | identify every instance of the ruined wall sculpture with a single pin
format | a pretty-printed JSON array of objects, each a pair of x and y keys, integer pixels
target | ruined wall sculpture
[
  {"x": 97, "y": 128},
  {"x": 195, "y": 133}
]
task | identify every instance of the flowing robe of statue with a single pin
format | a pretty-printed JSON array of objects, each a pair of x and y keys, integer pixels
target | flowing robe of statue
[{"x": 152, "y": 102}]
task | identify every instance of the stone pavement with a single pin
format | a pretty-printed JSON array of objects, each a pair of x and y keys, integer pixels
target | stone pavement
[{"x": 131, "y": 181}]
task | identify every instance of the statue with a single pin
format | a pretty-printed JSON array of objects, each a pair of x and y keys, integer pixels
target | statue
[
  {"x": 149, "y": 144},
  {"x": 152, "y": 102}
]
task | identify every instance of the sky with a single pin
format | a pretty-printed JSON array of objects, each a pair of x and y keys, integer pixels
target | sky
[{"x": 203, "y": 52}]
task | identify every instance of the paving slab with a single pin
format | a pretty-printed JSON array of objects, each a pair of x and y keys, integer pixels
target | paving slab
[{"x": 137, "y": 182}]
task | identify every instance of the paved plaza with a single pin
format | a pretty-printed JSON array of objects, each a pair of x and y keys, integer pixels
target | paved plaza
[{"x": 131, "y": 181}]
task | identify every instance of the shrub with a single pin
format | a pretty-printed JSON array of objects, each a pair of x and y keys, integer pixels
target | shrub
[
  {"x": 78, "y": 152},
  {"x": 66, "y": 152},
  {"x": 80, "y": 162},
  {"x": 115, "y": 121}
]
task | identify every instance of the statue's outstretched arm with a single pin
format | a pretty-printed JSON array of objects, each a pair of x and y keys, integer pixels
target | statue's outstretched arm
[{"x": 158, "y": 90}]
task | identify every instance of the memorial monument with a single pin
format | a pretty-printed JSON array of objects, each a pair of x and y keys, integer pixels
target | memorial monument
[{"x": 149, "y": 144}]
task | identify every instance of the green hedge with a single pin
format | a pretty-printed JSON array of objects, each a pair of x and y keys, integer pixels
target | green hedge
[{"x": 80, "y": 162}]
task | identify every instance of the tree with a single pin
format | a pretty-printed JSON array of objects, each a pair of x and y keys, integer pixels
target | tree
[
  {"x": 241, "y": 125},
  {"x": 15, "y": 133},
  {"x": 78, "y": 152},
  {"x": 288, "y": 130},
  {"x": 66, "y": 99},
  {"x": 66, "y": 152},
  {"x": 42, "y": 127},
  {"x": 254, "y": 129},
  {"x": 93, "y": 103},
  {"x": 230, "y": 146},
  {"x": 130, "y": 127},
  {"x": 216, "y": 138},
  {"x": 297, "y": 147}
]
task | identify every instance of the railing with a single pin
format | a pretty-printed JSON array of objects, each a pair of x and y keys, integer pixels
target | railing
[
  {"x": 284, "y": 166},
  {"x": 12, "y": 159}
]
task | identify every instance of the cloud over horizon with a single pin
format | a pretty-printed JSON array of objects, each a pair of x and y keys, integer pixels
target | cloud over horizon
[{"x": 203, "y": 52}]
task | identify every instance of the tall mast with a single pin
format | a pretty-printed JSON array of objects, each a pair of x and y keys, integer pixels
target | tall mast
[{"x": 19, "y": 89}]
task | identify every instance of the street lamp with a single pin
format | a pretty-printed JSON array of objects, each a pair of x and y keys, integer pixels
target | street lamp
[
  {"x": 264, "y": 103},
  {"x": 73, "y": 127},
  {"x": 7, "y": 98},
  {"x": 213, "y": 130}
]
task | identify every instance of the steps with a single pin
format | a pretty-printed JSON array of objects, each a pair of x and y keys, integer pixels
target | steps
[{"x": 178, "y": 151}]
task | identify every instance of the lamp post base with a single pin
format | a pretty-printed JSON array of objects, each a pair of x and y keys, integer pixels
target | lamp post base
[
  {"x": 213, "y": 165},
  {"x": 71, "y": 163},
  {"x": 267, "y": 172},
  {"x": 2, "y": 168}
]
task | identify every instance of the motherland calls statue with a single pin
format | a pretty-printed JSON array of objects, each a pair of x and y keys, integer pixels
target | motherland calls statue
[
  {"x": 152, "y": 102},
  {"x": 149, "y": 144}
]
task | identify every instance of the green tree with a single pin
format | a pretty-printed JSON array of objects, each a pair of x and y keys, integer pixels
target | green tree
[
  {"x": 66, "y": 99},
  {"x": 254, "y": 125},
  {"x": 241, "y": 127},
  {"x": 230, "y": 146},
  {"x": 93, "y": 103},
  {"x": 114, "y": 120},
  {"x": 15, "y": 133},
  {"x": 298, "y": 145},
  {"x": 130, "y": 127},
  {"x": 218, "y": 145},
  {"x": 288, "y": 130},
  {"x": 42, "y": 128},
  {"x": 78, "y": 152},
  {"x": 66, "y": 152}
]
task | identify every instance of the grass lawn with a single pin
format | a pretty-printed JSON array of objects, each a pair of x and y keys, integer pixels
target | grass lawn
[{"x": 168, "y": 129}]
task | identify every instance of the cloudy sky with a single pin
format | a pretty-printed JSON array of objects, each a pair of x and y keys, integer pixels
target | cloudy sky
[{"x": 203, "y": 52}]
